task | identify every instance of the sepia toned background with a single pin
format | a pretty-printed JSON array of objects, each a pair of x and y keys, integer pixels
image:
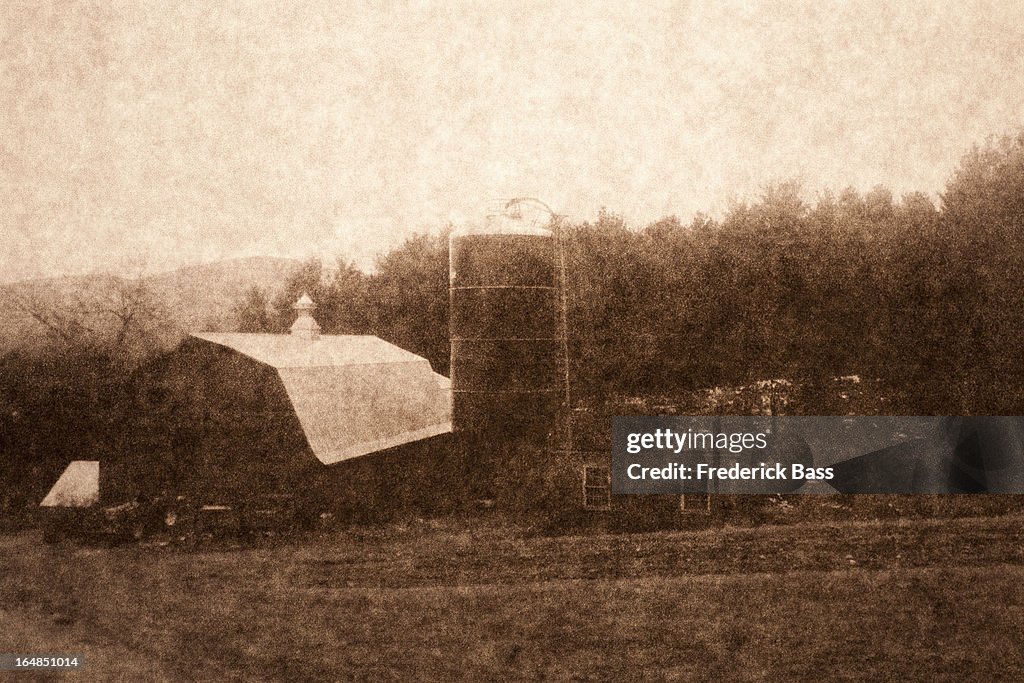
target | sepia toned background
[
  {"x": 264, "y": 299},
  {"x": 148, "y": 136}
]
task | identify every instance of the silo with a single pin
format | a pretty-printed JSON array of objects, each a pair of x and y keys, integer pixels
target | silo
[{"x": 504, "y": 333}]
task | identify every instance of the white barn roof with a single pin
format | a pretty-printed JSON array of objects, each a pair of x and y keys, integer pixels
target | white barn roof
[
  {"x": 353, "y": 394},
  {"x": 330, "y": 350},
  {"x": 77, "y": 487}
]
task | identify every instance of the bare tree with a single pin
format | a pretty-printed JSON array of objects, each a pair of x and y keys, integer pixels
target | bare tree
[{"x": 121, "y": 316}]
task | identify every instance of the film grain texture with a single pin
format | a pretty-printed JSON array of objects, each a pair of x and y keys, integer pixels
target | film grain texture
[{"x": 315, "y": 320}]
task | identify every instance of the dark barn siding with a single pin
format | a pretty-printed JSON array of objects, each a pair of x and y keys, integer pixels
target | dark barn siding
[
  {"x": 212, "y": 425},
  {"x": 412, "y": 480}
]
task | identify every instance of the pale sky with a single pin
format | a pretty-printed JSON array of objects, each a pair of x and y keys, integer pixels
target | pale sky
[{"x": 152, "y": 134}]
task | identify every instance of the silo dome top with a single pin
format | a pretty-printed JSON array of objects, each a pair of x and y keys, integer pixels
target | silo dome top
[
  {"x": 512, "y": 217},
  {"x": 502, "y": 225}
]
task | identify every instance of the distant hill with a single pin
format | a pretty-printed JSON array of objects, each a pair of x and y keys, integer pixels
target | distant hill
[
  {"x": 202, "y": 296},
  {"x": 193, "y": 297}
]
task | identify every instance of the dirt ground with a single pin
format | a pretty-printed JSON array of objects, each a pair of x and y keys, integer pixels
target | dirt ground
[{"x": 898, "y": 600}]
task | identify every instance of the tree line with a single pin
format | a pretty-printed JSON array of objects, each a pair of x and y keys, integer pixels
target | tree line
[{"x": 926, "y": 298}]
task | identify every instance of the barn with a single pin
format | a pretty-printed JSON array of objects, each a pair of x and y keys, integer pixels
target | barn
[{"x": 345, "y": 424}]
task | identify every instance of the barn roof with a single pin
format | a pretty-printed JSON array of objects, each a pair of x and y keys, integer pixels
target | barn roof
[
  {"x": 353, "y": 394},
  {"x": 330, "y": 350}
]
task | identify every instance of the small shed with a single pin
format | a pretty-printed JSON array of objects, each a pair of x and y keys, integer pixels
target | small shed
[{"x": 70, "y": 500}]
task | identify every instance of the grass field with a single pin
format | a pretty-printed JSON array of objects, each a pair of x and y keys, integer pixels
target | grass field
[{"x": 911, "y": 600}]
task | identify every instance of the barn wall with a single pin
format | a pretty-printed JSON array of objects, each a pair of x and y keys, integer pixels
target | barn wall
[{"x": 413, "y": 480}]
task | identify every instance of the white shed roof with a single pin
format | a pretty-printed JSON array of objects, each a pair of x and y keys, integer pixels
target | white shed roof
[{"x": 77, "y": 487}]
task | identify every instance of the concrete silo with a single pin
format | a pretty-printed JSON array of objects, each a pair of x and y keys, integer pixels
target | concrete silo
[{"x": 505, "y": 345}]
